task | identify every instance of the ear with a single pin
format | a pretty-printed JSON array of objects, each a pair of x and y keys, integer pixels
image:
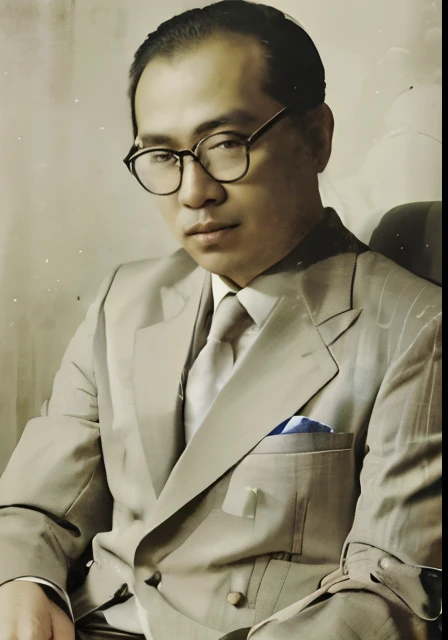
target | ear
[{"x": 319, "y": 127}]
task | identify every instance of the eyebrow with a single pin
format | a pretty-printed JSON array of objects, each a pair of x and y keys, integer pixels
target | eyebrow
[{"x": 233, "y": 117}]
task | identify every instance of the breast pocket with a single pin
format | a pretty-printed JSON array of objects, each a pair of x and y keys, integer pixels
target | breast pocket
[{"x": 285, "y": 481}]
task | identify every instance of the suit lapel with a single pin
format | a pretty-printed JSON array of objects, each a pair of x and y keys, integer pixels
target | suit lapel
[
  {"x": 161, "y": 351},
  {"x": 287, "y": 365}
]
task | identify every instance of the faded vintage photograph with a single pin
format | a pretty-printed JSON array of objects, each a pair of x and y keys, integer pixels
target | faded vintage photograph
[{"x": 220, "y": 327}]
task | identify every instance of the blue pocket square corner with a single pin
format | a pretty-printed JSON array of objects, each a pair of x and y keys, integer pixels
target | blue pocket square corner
[{"x": 300, "y": 424}]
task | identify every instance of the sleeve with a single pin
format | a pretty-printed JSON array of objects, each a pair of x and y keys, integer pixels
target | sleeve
[
  {"x": 54, "y": 496},
  {"x": 53, "y": 592},
  {"x": 388, "y": 585}
]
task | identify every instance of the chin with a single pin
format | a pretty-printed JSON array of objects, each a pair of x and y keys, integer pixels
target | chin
[{"x": 214, "y": 262}]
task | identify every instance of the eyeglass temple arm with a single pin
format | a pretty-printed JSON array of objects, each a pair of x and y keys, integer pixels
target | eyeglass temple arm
[{"x": 267, "y": 125}]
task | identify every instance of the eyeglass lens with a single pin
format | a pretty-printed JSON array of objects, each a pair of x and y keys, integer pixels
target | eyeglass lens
[{"x": 223, "y": 155}]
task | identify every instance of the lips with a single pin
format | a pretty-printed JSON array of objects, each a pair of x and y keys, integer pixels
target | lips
[
  {"x": 212, "y": 235},
  {"x": 208, "y": 227}
]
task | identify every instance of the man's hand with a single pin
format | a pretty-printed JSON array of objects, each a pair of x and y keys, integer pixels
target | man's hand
[{"x": 27, "y": 614}]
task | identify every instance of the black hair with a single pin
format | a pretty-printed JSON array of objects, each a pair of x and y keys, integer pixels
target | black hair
[{"x": 295, "y": 73}]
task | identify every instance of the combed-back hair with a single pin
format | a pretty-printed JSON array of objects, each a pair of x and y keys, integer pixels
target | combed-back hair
[{"x": 295, "y": 73}]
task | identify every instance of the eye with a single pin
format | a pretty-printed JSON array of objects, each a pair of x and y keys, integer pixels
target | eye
[
  {"x": 230, "y": 144},
  {"x": 162, "y": 157},
  {"x": 224, "y": 143}
]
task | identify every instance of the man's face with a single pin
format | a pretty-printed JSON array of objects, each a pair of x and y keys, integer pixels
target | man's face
[{"x": 215, "y": 87}]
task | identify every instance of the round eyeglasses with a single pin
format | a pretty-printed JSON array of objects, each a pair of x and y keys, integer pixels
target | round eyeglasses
[{"x": 225, "y": 157}]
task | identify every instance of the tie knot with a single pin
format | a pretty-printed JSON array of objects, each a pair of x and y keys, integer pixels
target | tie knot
[{"x": 228, "y": 319}]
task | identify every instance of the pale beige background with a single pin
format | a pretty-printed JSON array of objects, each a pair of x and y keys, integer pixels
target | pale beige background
[{"x": 69, "y": 210}]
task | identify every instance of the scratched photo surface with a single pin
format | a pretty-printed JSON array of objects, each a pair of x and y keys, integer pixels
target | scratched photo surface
[{"x": 70, "y": 210}]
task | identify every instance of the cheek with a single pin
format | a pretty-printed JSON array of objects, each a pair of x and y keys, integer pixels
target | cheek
[
  {"x": 274, "y": 196},
  {"x": 281, "y": 178},
  {"x": 168, "y": 209}
]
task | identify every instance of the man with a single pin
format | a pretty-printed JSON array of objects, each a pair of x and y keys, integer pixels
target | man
[{"x": 253, "y": 453}]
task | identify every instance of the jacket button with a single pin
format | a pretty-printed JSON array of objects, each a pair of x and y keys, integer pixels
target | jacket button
[
  {"x": 154, "y": 580},
  {"x": 235, "y": 598}
]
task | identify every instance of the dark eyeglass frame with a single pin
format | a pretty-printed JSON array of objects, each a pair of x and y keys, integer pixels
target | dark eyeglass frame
[{"x": 135, "y": 152}]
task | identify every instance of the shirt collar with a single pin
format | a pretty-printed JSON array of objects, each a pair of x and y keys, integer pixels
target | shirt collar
[
  {"x": 221, "y": 286},
  {"x": 258, "y": 297}
]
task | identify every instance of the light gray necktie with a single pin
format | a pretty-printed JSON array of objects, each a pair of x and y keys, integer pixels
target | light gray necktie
[{"x": 214, "y": 364}]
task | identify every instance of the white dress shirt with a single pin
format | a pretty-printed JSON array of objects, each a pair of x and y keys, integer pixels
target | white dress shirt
[{"x": 258, "y": 298}]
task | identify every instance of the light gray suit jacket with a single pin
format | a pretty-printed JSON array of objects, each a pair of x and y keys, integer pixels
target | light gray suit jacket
[{"x": 324, "y": 535}]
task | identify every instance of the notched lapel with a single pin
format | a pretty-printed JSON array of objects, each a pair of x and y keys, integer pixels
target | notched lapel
[
  {"x": 337, "y": 325},
  {"x": 161, "y": 351},
  {"x": 287, "y": 365},
  {"x": 326, "y": 287},
  {"x": 256, "y": 398}
]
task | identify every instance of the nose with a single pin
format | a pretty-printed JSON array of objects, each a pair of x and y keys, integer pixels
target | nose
[{"x": 198, "y": 189}]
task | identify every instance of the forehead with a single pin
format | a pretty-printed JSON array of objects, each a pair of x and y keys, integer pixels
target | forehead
[{"x": 178, "y": 93}]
